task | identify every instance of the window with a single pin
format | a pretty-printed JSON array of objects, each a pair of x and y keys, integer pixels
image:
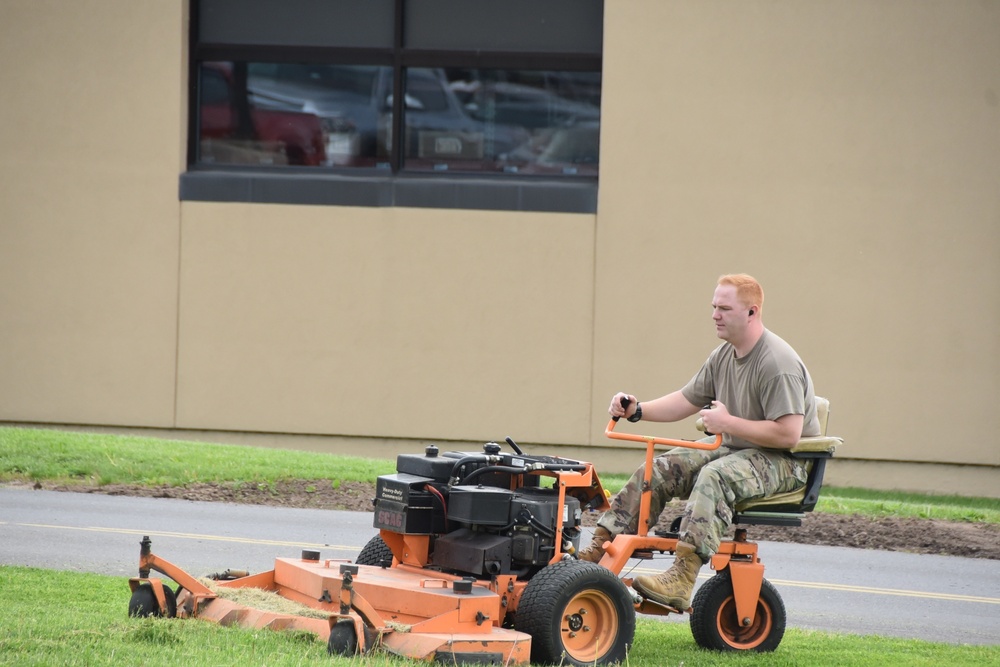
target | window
[{"x": 320, "y": 89}]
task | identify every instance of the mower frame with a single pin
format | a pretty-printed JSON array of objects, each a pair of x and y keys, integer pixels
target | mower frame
[{"x": 396, "y": 600}]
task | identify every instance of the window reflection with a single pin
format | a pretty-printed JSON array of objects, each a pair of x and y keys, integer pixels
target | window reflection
[
  {"x": 296, "y": 114},
  {"x": 513, "y": 121},
  {"x": 353, "y": 103},
  {"x": 234, "y": 130}
]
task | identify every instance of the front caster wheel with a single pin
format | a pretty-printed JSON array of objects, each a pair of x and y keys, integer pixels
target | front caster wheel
[
  {"x": 577, "y": 613},
  {"x": 343, "y": 639},
  {"x": 716, "y": 625},
  {"x": 143, "y": 602}
]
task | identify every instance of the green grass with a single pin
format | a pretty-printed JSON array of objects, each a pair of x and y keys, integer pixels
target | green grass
[
  {"x": 65, "y": 457},
  {"x": 64, "y": 618},
  {"x": 849, "y": 500},
  {"x": 72, "y": 619}
]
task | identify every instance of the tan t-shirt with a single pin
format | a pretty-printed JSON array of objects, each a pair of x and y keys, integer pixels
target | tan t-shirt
[{"x": 768, "y": 383}]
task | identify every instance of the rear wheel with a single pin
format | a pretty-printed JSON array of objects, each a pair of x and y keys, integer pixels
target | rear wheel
[
  {"x": 577, "y": 613},
  {"x": 376, "y": 552},
  {"x": 716, "y": 625}
]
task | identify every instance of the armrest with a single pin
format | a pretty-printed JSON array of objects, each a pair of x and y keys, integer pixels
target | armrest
[
  {"x": 820, "y": 445},
  {"x": 810, "y": 447}
]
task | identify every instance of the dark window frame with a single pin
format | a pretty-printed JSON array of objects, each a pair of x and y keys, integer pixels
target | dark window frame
[{"x": 396, "y": 186}]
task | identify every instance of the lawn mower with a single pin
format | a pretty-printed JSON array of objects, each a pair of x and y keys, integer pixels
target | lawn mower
[{"x": 475, "y": 563}]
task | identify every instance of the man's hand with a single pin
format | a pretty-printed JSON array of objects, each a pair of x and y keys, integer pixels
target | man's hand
[
  {"x": 616, "y": 410},
  {"x": 715, "y": 417}
]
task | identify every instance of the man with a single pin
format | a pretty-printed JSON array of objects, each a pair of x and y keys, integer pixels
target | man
[{"x": 753, "y": 389}]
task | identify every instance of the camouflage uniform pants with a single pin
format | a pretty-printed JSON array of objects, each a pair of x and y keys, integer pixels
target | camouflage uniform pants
[{"x": 713, "y": 482}]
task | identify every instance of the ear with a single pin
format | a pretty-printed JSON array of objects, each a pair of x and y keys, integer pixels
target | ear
[{"x": 752, "y": 311}]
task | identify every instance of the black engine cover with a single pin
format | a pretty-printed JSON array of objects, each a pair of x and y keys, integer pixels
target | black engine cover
[
  {"x": 403, "y": 506},
  {"x": 473, "y": 552},
  {"x": 480, "y": 505}
]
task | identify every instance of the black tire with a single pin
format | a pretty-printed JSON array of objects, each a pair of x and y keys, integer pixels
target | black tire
[
  {"x": 577, "y": 613},
  {"x": 376, "y": 552},
  {"x": 143, "y": 602},
  {"x": 343, "y": 639},
  {"x": 715, "y": 624}
]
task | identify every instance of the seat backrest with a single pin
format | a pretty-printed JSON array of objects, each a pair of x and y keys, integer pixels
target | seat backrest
[{"x": 822, "y": 413}]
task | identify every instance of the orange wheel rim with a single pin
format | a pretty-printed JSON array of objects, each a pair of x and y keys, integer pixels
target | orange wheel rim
[
  {"x": 743, "y": 637},
  {"x": 589, "y": 626}
]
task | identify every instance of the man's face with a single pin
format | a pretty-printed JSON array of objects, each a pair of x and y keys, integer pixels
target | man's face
[{"x": 729, "y": 314}]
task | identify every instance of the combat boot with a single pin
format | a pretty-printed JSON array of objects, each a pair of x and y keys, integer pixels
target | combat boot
[
  {"x": 675, "y": 586},
  {"x": 594, "y": 553}
]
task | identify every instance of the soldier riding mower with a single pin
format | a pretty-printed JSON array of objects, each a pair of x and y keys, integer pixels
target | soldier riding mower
[{"x": 475, "y": 563}]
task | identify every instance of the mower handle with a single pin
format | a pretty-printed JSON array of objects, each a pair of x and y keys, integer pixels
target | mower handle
[{"x": 653, "y": 440}]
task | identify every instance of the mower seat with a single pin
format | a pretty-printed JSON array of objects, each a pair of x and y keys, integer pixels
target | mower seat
[{"x": 787, "y": 509}]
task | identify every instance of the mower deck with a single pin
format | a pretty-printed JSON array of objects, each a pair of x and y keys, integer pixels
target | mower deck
[{"x": 409, "y": 611}]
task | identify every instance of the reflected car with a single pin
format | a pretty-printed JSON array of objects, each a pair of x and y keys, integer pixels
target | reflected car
[
  {"x": 518, "y": 104},
  {"x": 565, "y": 133},
  {"x": 234, "y": 131},
  {"x": 355, "y": 103}
]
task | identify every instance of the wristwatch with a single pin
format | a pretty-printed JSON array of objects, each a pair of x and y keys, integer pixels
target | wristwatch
[{"x": 638, "y": 413}]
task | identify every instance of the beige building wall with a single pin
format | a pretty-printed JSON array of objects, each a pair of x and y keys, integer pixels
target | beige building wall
[
  {"x": 845, "y": 153},
  {"x": 91, "y": 130},
  {"x": 403, "y": 323}
]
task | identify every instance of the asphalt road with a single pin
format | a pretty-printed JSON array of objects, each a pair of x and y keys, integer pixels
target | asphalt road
[{"x": 935, "y": 598}]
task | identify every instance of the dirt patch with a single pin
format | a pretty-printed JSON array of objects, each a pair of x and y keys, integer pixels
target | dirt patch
[{"x": 924, "y": 536}]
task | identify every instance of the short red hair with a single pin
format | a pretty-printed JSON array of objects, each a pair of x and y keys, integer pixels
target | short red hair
[{"x": 748, "y": 290}]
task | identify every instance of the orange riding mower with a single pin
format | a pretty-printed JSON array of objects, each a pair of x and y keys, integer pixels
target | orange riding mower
[{"x": 475, "y": 562}]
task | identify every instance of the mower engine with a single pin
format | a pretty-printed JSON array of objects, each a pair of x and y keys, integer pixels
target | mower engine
[{"x": 487, "y": 513}]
